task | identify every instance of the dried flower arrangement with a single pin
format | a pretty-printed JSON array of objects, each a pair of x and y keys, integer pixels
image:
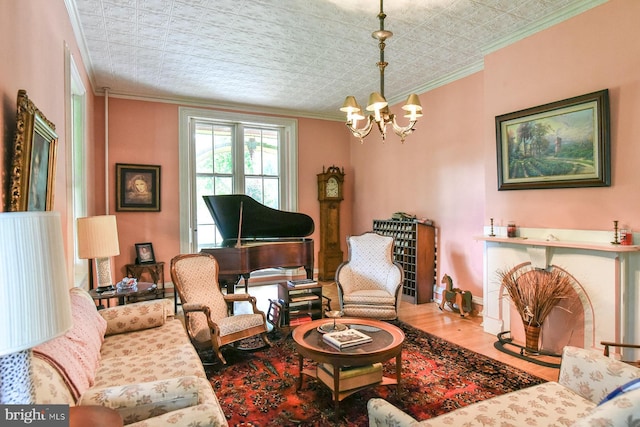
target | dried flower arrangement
[{"x": 534, "y": 293}]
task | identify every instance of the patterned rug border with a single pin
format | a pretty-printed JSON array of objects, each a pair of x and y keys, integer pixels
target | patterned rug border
[{"x": 257, "y": 388}]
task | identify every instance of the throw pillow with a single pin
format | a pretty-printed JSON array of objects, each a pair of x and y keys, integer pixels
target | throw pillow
[{"x": 76, "y": 354}]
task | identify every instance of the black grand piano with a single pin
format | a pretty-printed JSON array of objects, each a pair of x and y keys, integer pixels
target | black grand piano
[{"x": 268, "y": 238}]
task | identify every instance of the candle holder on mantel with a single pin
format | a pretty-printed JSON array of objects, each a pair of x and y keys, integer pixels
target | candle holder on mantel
[
  {"x": 491, "y": 233},
  {"x": 615, "y": 234}
]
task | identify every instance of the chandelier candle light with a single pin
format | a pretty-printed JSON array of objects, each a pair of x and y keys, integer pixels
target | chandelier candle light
[{"x": 377, "y": 103}]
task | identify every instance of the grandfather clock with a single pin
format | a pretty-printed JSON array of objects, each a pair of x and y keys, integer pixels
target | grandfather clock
[{"x": 330, "y": 195}]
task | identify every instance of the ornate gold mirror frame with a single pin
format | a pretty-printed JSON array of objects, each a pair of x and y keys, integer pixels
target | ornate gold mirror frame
[{"x": 34, "y": 159}]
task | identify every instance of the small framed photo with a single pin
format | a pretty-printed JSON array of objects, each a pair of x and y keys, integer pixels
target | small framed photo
[
  {"x": 137, "y": 188},
  {"x": 144, "y": 253}
]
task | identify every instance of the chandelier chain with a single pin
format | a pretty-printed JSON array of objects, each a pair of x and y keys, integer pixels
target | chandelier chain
[{"x": 377, "y": 103}]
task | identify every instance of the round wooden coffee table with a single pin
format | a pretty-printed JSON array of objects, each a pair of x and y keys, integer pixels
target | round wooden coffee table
[{"x": 386, "y": 344}]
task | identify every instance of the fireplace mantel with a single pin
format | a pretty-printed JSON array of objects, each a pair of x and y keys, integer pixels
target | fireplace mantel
[
  {"x": 608, "y": 274},
  {"x": 592, "y": 246}
]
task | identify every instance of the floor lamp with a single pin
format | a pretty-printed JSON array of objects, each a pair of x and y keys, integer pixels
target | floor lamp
[
  {"x": 98, "y": 239},
  {"x": 34, "y": 296}
]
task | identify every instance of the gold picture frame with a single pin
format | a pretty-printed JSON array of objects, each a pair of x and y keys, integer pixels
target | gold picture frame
[{"x": 33, "y": 167}]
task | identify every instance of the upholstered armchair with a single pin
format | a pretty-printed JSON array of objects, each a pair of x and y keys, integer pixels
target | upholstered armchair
[
  {"x": 369, "y": 282},
  {"x": 208, "y": 312}
]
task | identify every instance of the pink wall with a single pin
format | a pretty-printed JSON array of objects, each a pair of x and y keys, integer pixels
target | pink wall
[
  {"x": 33, "y": 35},
  {"x": 143, "y": 132},
  {"x": 447, "y": 169},
  {"x": 33, "y": 41},
  {"x": 595, "y": 50},
  {"x": 322, "y": 144},
  {"x": 437, "y": 173}
]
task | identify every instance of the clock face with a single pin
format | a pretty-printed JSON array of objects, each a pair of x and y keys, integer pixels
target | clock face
[{"x": 332, "y": 187}]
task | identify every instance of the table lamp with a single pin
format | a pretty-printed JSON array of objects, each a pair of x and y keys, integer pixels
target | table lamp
[
  {"x": 98, "y": 239},
  {"x": 34, "y": 296}
]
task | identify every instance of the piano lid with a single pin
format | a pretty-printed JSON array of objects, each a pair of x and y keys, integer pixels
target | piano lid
[{"x": 258, "y": 221}]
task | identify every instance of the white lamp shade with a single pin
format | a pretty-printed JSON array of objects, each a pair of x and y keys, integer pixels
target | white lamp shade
[
  {"x": 98, "y": 237},
  {"x": 34, "y": 292}
]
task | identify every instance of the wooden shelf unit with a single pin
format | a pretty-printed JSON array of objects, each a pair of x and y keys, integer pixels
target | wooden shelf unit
[
  {"x": 415, "y": 250},
  {"x": 300, "y": 301}
]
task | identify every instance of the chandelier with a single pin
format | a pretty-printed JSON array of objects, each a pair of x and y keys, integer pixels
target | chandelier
[{"x": 378, "y": 104}]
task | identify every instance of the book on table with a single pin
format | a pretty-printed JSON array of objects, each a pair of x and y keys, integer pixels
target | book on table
[
  {"x": 346, "y": 339},
  {"x": 350, "y": 376},
  {"x": 303, "y": 297},
  {"x": 301, "y": 282},
  {"x": 299, "y": 320}
]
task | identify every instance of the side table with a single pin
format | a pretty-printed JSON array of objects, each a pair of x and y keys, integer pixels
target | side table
[
  {"x": 302, "y": 303},
  {"x": 155, "y": 271},
  {"x": 144, "y": 290}
]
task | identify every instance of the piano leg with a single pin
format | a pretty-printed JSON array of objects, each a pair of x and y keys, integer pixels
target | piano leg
[
  {"x": 229, "y": 282},
  {"x": 245, "y": 276}
]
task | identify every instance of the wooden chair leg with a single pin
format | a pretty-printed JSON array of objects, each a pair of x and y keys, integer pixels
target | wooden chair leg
[
  {"x": 216, "y": 350},
  {"x": 265, "y": 339}
]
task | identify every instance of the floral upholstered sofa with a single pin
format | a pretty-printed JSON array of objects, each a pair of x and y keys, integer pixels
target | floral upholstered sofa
[
  {"x": 586, "y": 379},
  {"x": 134, "y": 358}
]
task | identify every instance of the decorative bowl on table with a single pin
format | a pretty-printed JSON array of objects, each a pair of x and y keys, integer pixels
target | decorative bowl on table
[
  {"x": 332, "y": 326},
  {"x": 128, "y": 284}
]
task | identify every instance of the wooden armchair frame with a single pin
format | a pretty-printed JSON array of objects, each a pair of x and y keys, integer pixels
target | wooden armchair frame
[{"x": 217, "y": 340}]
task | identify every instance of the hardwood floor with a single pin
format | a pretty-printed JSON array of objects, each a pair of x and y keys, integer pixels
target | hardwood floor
[{"x": 466, "y": 332}]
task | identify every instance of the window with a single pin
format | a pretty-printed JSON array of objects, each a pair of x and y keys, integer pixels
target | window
[
  {"x": 75, "y": 100},
  {"x": 224, "y": 153}
]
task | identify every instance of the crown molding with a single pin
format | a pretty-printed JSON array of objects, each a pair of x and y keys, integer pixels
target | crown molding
[
  {"x": 542, "y": 24},
  {"x": 212, "y": 104}
]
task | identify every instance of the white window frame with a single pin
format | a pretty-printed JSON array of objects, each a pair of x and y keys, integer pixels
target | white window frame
[
  {"x": 76, "y": 177},
  {"x": 186, "y": 153}
]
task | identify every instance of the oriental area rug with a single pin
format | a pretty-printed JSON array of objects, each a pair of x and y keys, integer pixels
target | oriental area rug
[{"x": 258, "y": 388}]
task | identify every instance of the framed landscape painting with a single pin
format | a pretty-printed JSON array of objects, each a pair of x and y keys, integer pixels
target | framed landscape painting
[{"x": 563, "y": 144}]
